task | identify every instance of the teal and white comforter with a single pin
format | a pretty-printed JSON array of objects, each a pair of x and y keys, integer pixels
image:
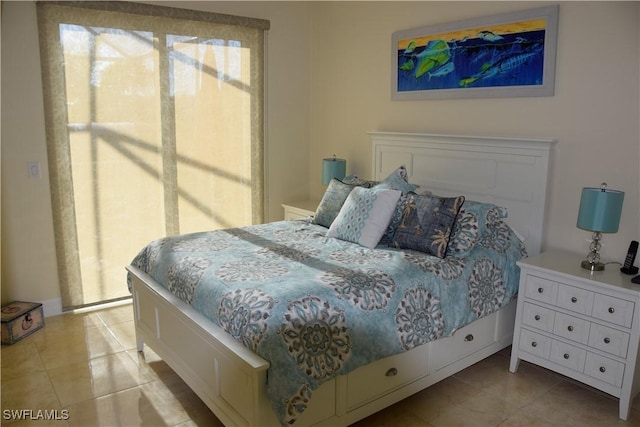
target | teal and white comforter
[{"x": 318, "y": 307}]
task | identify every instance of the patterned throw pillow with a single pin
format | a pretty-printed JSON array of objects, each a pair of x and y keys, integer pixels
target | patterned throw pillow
[
  {"x": 365, "y": 216},
  {"x": 332, "y": 201},
  {"x": 397, "y": 180},
  {"x": 427, "y": 222},
  {"x": 476, "y": 221}
]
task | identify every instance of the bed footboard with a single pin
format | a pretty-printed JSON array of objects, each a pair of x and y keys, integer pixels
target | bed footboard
[{"x": 226, "y": 376}]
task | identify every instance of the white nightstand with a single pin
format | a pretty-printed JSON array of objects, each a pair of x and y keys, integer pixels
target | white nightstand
[
  {"x": 580, "y": 324},
  {"x": 300, "y": 209}
]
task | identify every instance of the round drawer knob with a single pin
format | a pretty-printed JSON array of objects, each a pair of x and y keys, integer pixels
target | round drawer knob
[
  {"x": 540, "y": 290},
  {"x": 534, "y": 344},
  {"x": 570, "y": 328},
  {"x": 566, "y": 356},
  {"x": 392, "y": 372},
  {"x": 612, "y": 310},
  {"x": 607, "y": 340},
  {"x": 468, "y": 338},
  {"x": 603, "y": 369},
  {"x": 574, "y": 300},
  {"x": 537, "y": 317}
]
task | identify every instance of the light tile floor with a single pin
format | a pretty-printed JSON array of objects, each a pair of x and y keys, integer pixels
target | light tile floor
[{"x": 86, "y": 365}]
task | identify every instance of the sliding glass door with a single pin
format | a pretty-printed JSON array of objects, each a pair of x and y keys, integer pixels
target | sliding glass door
[{"x": 161, "y": 134}]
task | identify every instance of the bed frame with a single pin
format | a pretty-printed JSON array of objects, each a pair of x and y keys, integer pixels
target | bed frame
[{"x": 231, "y": 380}]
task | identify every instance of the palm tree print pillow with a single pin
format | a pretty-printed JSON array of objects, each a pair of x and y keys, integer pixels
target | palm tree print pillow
[{"x": 427, "y": 222}]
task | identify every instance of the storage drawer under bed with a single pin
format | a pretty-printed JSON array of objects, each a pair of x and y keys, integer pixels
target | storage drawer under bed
[{"x": 381, "y": 377}]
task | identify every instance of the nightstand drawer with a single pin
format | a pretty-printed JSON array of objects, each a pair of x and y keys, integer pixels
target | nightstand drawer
[
  {"x": 575, "y": 299},
  {"x": 538, "y": 317},
  {"x": 614, "y": 310},
  {"x": 604, "y": 369},
  {"x": 533, "y": 343},
  {"x": 567, "y": 355},
  {"x": 610, "y": 340},
  {"x": 571, "y": 328},
  {"x": 542, "y": 290}
]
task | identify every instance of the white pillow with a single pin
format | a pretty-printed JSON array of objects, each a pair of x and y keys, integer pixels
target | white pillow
[{"x": 365, "y": 215}]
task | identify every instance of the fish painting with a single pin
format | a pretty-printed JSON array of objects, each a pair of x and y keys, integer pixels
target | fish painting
[{"x": 507, "y": 53}]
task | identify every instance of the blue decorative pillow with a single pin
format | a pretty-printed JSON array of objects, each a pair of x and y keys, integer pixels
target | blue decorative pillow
[
  {"x": 475, "y": 223},
  {"x": 427, "y": 222},
  {"x": 397, "y": 180},
  {"x": 332, "y": 201},
  {"x": 365, "y": 216}
]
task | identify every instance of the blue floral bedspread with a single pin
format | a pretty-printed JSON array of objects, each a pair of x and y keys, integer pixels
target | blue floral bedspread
[{"x": 318, "y": 307}]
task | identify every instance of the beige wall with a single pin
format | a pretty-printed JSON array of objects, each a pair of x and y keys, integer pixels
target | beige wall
[
  {"x": 328, "y": 84},
  {"x": 29, "y": 269}
]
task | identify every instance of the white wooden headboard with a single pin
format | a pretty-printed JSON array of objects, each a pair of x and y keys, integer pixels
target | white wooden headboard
[{"x": 509, "y": 172}]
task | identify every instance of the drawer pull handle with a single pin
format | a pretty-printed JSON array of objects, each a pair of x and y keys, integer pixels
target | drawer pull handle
[
  {"x": 603, "y": 369},
  {"x": 612, "y": 310},
  {"x": 391, "y": 372},
  {"x": 574, "y": 300},
  {"x": 534, "y": 344},
  {"x": 570, "y": 328},
  {"x": 468, "y": 338},
  {"x": 537, "y": 317},
  {"x": 566, "y": 356},
  {"x": 607, "y": 340},
  {"x": 540, "y": 290}
]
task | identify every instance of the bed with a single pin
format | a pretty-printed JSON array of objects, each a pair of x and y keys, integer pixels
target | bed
[{"x": 378, "y": 364}]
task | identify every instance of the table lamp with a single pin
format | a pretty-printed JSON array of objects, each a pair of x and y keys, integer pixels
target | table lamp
[
  {"x": 600, "y": 211},
  {"x": 333, "y": 168}
]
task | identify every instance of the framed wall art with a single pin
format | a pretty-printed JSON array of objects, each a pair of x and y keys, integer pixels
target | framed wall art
[{"x": 507, "y": 55}]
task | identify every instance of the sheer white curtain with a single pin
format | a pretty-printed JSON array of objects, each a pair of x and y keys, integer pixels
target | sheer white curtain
[{"x": 154, "y": 122}]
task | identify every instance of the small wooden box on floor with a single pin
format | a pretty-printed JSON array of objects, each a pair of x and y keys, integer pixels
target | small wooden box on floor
[{"x": 20, "y": 319}]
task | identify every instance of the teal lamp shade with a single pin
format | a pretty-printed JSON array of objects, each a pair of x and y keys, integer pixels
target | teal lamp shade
[
  {"x": 333, "y": 168},
  {"x": 600, "y": 209}
]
